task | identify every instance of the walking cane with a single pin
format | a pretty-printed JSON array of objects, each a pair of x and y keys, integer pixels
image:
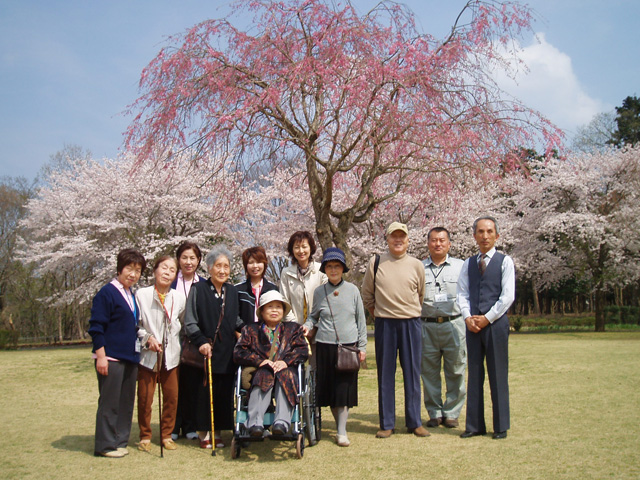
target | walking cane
[
  {"x": 213, "y": 439},
  {"x": 159, "y": 365}
]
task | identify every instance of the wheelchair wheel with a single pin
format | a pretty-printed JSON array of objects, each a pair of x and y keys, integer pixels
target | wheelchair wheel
[
  {"x": 235, "y": 448},
  {"x": 300, "y": 445},
  {"x": 312, "y": 416}
]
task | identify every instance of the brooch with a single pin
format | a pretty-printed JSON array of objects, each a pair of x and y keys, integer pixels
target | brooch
[{"x": 336, "y": 293}]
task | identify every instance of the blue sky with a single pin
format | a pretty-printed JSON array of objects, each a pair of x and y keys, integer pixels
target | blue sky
[{"x": 68, "y": 68}]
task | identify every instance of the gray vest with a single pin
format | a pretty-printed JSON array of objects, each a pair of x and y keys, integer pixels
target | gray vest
[{"x": 485, "y": 290}]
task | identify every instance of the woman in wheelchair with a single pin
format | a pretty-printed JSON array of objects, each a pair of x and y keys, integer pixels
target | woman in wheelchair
[{"x": 274, "y": 348}]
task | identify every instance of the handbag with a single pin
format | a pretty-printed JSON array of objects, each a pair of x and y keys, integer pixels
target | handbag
[
  {"x": 348, "y": 358},
  {"x": 190, "y": 354}
]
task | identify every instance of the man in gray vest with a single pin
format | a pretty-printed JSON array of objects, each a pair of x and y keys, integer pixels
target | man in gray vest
[
  {"x": 486, "y": 290},
  {"x": 443, "y": 333}
]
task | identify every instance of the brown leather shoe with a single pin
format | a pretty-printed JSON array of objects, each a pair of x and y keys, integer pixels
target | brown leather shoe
[
  {"x": 451, "y": 422},
  {"x": 434, "y": 422},
  {"x": 419, "y": 431},
  {"x": 384, "y": 433}
]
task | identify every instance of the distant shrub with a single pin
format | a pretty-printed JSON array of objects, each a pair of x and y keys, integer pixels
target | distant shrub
[
  {"x": 612, "y": 314},
  {"x": 517, "y": 323},
  {"x": 9, "y": 339},
  {"x": 630, "y": 315}
]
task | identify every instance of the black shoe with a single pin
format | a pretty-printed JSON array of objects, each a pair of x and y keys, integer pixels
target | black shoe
[
  {"x": 256, "y": 431},
  {"x": 468, "y": 434},
  {"x": 279, "y": 428},
  {"x": 434, "y": 422},
  {"x": 499, "y": 435}
]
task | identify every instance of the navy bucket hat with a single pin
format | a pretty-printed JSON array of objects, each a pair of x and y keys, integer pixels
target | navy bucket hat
[{"x": 333, "y": 253}]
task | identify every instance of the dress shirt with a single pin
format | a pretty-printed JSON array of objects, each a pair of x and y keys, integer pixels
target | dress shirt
[{"x": 507, "y": 295}]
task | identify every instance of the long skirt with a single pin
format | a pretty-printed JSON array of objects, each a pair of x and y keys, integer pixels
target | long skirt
[{"x": 333, "y": 388}]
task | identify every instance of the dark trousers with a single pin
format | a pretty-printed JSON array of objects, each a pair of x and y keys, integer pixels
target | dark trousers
[
  {"x": 115, "y": 406},
  {"x": 490, "y": 343},
  {"x": 403, "y": 337},
  {"x": 222, "y": 403},
  {"x": 187, "y": 399}
]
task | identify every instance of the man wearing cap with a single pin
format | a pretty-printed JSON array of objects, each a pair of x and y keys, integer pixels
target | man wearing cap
[
  {"x": 443, "y": 333},
  {"x": 486, "y": 290},
  {"x": 392, "y": 292}
]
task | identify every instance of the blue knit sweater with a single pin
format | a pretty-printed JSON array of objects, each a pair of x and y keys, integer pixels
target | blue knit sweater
[{"x": 113, "y": 325}]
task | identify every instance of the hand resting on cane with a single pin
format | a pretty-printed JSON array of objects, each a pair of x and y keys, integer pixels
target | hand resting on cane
[
  {"x": 205, "y": 349},
  {"x": 154, "y": 345}
]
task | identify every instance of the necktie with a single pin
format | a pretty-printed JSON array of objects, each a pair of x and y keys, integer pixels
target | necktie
[{"x": 483, "y": 263}]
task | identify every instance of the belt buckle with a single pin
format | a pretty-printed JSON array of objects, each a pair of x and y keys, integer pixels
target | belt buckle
[{"x": 440, "y": 319}]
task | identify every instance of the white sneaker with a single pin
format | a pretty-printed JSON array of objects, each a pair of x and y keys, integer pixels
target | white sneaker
[
  {"x": 192, "y": 436},
  {"x": 174, "y": 436},
  {"x": 342, "y": 441}
]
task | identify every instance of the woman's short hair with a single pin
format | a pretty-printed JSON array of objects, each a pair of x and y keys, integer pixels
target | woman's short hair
[
  {"x": 161, "y": 259},
  {"x": 259, "y": 254},
  {"x": 130, "y": 256},
  {"x": 216, "y": 252},
  {"x": 184, "y": 246},
  {"x": 299, "y": 237}
]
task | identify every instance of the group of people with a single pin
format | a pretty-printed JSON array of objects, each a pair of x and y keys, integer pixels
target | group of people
[
  {"x": 447, "y": 313},
  {"x": 139, "y": 338},
  {"x": 423, "y": 311}
]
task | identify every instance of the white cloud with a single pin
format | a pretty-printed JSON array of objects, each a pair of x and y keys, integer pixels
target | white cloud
[{"x": 551, "y": 86}]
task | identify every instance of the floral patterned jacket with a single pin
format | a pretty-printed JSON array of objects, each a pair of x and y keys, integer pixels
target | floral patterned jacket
[{"x": 253, "y": 348}]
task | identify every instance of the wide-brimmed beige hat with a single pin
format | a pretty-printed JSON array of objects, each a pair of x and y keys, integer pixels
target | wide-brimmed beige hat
[{"x": 273, "y": 296}]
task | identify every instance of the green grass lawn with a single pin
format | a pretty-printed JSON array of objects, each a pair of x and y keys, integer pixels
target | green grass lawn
[{"x": 575, "y": 413}]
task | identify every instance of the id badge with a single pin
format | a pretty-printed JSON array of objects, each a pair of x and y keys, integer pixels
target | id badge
[
  {"x": 440, "y": 298},
  {"x": 137, "y": 345}
]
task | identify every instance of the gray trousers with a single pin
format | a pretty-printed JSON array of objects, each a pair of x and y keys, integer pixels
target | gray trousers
[
  {"x": 115, "y": 406},
  {"x": 259, "y": 401},
  {"x": 444, "y": 345}
]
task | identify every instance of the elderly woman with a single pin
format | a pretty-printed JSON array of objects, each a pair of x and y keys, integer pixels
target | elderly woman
[
  {"x": 113, "y": 326},
  {"x": 211, "y": 323},
  {"x": 274, "y": 348},
  {"x": 339, "y": 316},
  {"x": 189, "y": 257},
  {"x": 161, "y": 309},
  {"x": 255, "y": 263},
  {"x": 299, "y": 280}
]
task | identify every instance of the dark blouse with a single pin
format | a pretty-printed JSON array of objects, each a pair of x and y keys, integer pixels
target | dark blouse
[
  {"x": 247, "y": 301},
  {"x": 201, "y": 321}
]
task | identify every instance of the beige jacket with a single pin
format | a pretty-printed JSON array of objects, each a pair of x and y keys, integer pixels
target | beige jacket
[
  {"x": 295, "y": 292},
  {"x": 152, "y": 322}
]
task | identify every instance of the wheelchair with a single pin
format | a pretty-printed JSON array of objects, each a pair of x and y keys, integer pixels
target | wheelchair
[{"x": 306, "y": 421}]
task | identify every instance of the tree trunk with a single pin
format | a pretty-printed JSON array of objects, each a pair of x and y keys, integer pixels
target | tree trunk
[
  {"x": 599, "y": 304},
  {"x": 536, "y": 300},
  {"x": 60, "y": 335}
]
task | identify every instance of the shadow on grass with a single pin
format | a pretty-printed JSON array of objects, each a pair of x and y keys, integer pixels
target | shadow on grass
[
  {"x": 266, "y": 451},
  {"x": 367, "y": 423},
  {"x": 75, "y": 443}
]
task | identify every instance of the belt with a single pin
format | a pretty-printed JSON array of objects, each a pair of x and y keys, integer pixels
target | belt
[{"x": 438, "y": 319}]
